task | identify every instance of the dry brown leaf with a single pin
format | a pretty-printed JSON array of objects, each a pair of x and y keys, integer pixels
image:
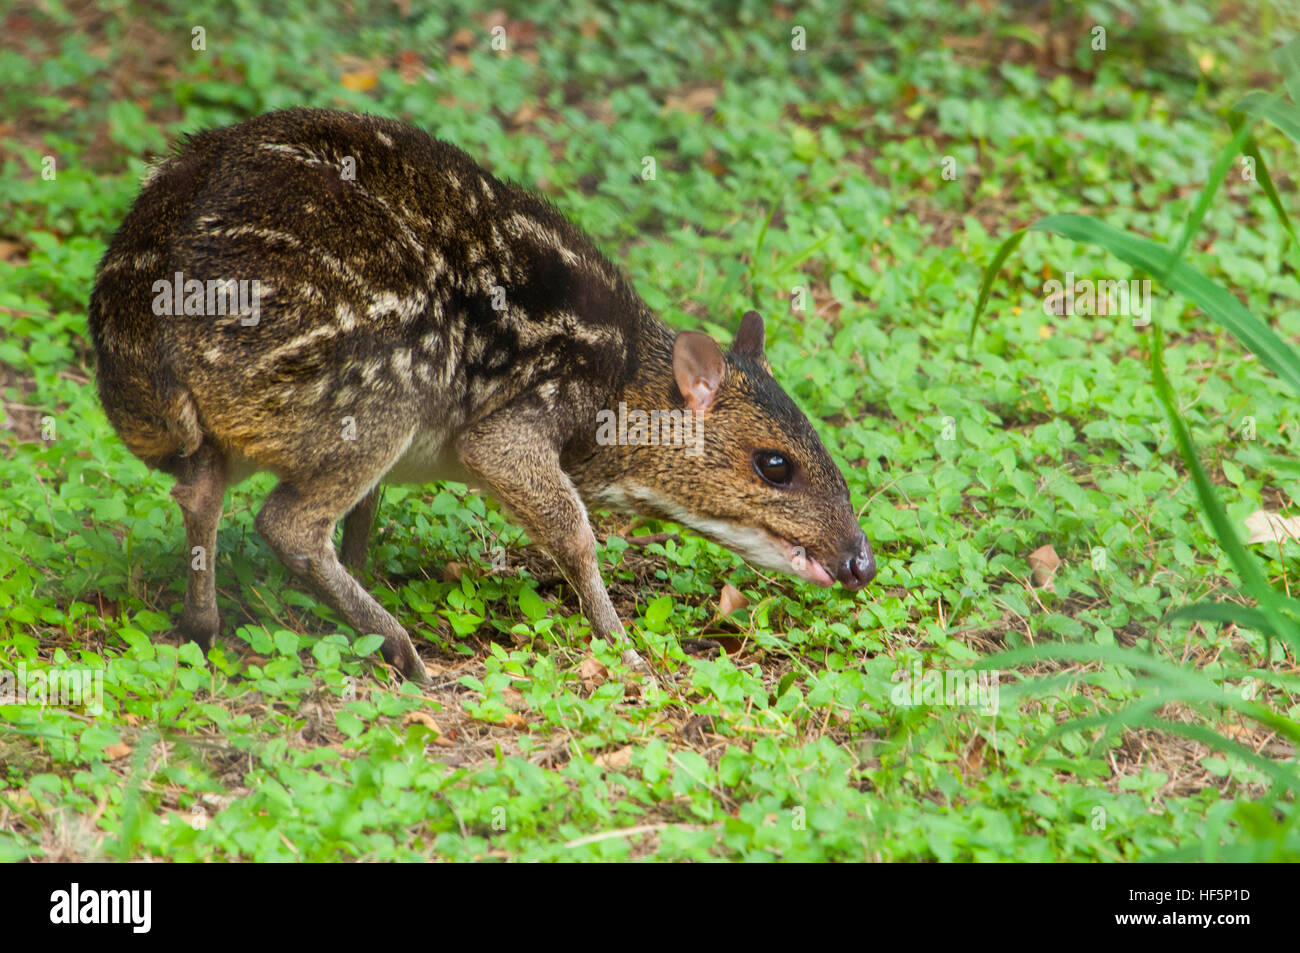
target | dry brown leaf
[
  {"x": 1044, "y": 562},
  {"x": 514, "y": 699},
  {"x": 972, "y": 759},
  {"x": 615, "y": 760},
  {"x": 698, "y": 100},
  {"x": 419, "y": 718},
  {"x": 730, "y": 600},
  {"x": 525, "y": 114},
  {"x": 443, "y": 737},
  {"x": 592, "y": 673},
  {"x": 1266, "y": 527},
  {"x": 731, "y": 644}
]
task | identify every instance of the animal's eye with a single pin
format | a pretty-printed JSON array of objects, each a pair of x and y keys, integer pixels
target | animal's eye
[{"x": 773, "y": 466}]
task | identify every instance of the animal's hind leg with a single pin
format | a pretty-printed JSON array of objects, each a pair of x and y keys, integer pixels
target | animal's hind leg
[
  {"x": 356, "y": 531},
  {"x": 200, "y": 489},
  {"x": 300, "y": 529}
]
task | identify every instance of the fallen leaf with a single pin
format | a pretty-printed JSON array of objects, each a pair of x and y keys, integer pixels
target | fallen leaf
[
  {"x": 1266, "y": 527},
  {"x": 698, "y": 100},
  {"x": 731, "y": 600},
  {"x": 419, "y": 718},
  {"x": 525, "y": 114},
  {"x": 514, "y": 699},
  {"x": 592, "y": 673},
  {"x": 443, "y": 738},
  {"x": 972, "y": 759},
  {"x": 731, "y": 644},
  {"x": 1044, "y": 563},
  {"x": 615, "y": 760}
]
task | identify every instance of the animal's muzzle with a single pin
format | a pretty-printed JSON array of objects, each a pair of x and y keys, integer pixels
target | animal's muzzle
[{"x": 856, "y": 565}]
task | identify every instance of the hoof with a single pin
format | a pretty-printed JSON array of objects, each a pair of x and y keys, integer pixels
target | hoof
[
  {"x": 401, "y": 654},
  {"x": 199, "y": 629},
  {"x": 633, "y": 660}
]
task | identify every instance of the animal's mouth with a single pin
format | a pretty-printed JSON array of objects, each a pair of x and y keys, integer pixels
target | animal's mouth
[
  {"x": 757, "y": 544},
  {"x": 777, "y": 552},
  {"x": 805, "y": 566}
]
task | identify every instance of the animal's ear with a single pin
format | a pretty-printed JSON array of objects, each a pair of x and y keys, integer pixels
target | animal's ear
[
  {"x": 749, "y": 339},
  {"x": 698, "y": 365}
]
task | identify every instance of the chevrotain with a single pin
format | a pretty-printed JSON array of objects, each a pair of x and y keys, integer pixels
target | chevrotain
[{"x": 342, "y": 300}]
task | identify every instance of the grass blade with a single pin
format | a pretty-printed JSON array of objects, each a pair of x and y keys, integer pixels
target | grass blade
[
  {"x": 1243, "y": 561},
  {"x": 990, "y": 275},
  {"x": 1217, "y": 174},
  {"x": 1273, "y": 108},
  {"x": 1222, "y": 612},
  {"x": 1219, "y": 304},
  {"x": 1251, "y": 148}
]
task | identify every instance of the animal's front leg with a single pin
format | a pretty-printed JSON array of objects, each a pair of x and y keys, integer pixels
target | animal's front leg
[{"x": 513, "y": 452}]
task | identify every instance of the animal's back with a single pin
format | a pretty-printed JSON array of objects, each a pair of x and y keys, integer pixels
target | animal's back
[{"x": 397, "y": 287}]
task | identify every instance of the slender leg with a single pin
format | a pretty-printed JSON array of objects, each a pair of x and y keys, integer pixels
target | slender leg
[
  {"x": 356, "y": 531},
  {"x": 200, "y": 489},
  {"x": 299, "y": 528},
  {"x": 513, "y": 456}
]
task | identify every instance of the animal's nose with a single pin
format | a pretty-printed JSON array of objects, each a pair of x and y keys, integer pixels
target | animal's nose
[{"x": 857, "y": 566}]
